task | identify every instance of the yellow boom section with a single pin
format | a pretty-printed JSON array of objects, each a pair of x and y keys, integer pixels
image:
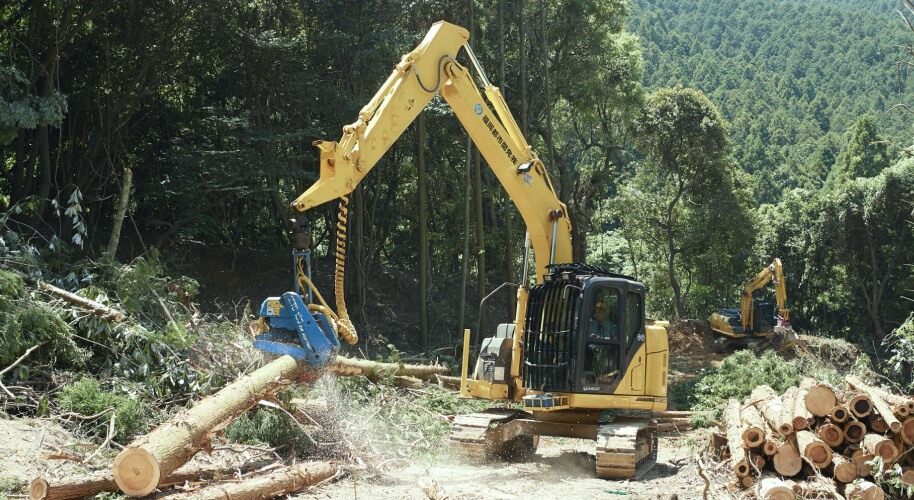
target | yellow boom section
[{"x": 426, "y": 71}]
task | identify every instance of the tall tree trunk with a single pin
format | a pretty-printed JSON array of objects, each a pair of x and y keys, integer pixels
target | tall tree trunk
[
  {"x": 480, "y": 242},
  {"x": 461, "y": 308},
  {"x": 523, "y": 68},
  {"x": 549, "y": 143},
  {"x": 423, "y": 234},
  {"x": 506, "y": 200},
  {"x": 121, "y": 212},
  {"x": 480, "y": 229}
]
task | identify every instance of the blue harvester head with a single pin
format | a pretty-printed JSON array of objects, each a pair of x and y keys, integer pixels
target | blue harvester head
[{"x": 296, "y": 331}]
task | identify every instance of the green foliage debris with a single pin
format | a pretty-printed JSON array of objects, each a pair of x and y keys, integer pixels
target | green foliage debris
[{"x": 86, "y": 397}]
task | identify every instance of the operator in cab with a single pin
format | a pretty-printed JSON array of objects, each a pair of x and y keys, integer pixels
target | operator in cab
[{"x": 600, "y": 328}]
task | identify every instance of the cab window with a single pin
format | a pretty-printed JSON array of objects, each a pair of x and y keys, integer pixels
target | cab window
[{"x": 634, "y": 312}]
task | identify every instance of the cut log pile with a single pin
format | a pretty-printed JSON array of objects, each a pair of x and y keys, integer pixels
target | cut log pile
[{"x": 816, "y": 441}]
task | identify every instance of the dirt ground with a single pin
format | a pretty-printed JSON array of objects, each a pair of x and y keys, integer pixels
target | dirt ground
[{"x": 561, "y": 468}]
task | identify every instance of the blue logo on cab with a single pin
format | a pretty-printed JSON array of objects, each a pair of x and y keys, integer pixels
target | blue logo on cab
[{"x": 479, "y": 109}]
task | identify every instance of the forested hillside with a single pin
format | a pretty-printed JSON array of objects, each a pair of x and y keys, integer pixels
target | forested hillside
[
  {"x": 792, "y": 77},
  {"x": 691, "y": 141}
]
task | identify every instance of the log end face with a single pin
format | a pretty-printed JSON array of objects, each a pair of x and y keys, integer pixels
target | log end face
[
  {"x": 785, "y": 429},
  {"x": 136, "y": 472},
  {"x": 38, "y": 490}
]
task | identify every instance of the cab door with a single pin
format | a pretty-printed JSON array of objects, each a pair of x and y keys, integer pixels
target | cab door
[
  {"x": 634, "y": 340},
  {"x": 603, "y": 340}
]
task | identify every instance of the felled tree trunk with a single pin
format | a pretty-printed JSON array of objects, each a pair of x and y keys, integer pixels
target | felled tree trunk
[
  {"x": 876, "y": 397},
  {"x": 771, "y": 487},
  {"x": 282, "y": 482},
  {"x": 142, "y": 466},
  {"x": 787, "y": 461},
  {"x": 820, "y": 400},
  {"x": 90, "y": 305},
  {"x": 85, "y": 485},
  {"x": 802, "y": 418},
  {"x": 785, "y": 423},
  {"x": 813, "y": 450},
  {"x": 842, "y": 469},
  {"x": 375, "y": 371},
  {"x": 734, "y": 439},
  {"x": 753, "y": 433}
]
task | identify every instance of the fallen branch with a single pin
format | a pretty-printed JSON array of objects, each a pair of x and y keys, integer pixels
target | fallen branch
[
  {"x": 92, "y": 306},
  {"x": 15, "y": 363}
]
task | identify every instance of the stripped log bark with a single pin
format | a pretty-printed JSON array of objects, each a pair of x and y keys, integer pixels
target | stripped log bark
[
  {"x": 375, "y": 371},
  {"x": 734, "y": 439},
  {"x": 876, "y": 396},
  {"x": 142, "y": 466},
  {"x": 282, "y": 482},
  {"x": 785, "y": 424},
  {"x": 771, "y": 487},
  {"x": 85, "y": 485},
  {"x": 820, "y": 400},
  {"x": 813, "y": 450}
]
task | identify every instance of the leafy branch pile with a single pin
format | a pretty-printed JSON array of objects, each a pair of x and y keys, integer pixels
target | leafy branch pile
[{"x": 163, "y": 353}]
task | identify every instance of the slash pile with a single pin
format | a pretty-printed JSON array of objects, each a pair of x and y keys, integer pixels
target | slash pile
[{"x": 815, "y": 441}]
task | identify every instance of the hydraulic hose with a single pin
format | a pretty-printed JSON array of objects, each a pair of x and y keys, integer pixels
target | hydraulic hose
[{"x": 345, "y": 328}]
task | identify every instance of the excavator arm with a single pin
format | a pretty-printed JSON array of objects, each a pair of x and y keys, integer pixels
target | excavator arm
[{"x": 429, "y": 70}]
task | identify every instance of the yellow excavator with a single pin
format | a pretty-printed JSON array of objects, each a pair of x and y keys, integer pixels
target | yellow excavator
[
  {"x": 579, "y": 343},
  {"x": 758, "y": 323}
]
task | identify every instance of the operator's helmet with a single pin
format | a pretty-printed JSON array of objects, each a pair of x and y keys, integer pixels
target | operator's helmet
[{"x": 600, "y": 304}]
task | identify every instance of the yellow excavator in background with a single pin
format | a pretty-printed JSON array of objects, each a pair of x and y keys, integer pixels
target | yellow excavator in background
[
  {"x": 758, "y": 323},
  {"x": 579, "y": 343}
]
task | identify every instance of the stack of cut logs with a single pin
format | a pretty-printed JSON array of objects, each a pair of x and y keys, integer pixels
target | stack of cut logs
[{"x": 815, "y": 441}]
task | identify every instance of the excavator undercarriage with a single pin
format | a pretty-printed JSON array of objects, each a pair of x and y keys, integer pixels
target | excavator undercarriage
[{"x": 625, "y": 448}]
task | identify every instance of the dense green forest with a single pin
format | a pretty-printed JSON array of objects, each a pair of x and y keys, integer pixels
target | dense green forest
[{"x": 693, "y": 142}]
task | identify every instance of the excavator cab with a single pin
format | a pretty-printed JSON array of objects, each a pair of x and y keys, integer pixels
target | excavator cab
[{"x": 584, "y": 326}]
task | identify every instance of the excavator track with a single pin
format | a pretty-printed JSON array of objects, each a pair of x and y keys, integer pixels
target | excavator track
[
  {"x": 626, "y": 448},
  {"x": 471, "y": 440}
]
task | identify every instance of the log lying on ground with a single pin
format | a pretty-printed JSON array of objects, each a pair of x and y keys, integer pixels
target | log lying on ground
[
  {"x": 375, "y": 371},
  {"x": 771, "y": 487},
  {"x": 142, "y": 466},
  {"x": 813, "y": 450},
  {"x": 282, "y": 482},
  {"x": 85, "y": 485},
  {"x": 876, "y": 396},
  {"x": 734, "y": 439},
  {"x": 820, "y": 400}
]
